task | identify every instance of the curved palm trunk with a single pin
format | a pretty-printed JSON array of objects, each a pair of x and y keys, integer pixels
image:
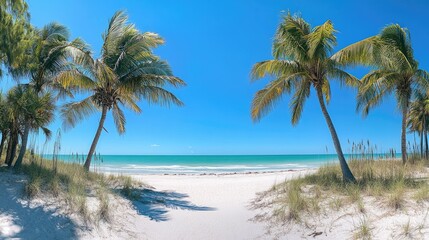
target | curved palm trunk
[
  {"x": 11, "y": 151},
  {"x": 23, "y": 145},
  {"x": 404, "y": 136},
  {"x": 9, "y": 148},
  {"x": 347, "y": 174},
  {"x": 3, "y": 139},
  {"x": 95, "y": 141}
]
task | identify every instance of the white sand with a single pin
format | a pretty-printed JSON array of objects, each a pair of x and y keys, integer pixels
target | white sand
[
  {"x": 196, "y": 207},
  {"x": 227, "y": 196}
]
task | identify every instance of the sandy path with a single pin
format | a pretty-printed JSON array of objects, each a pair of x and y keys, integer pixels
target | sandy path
[{"x": 206, "y": 207}]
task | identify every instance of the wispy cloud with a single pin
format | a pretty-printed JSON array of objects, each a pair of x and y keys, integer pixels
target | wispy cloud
[{"x": 155, "y": 145}]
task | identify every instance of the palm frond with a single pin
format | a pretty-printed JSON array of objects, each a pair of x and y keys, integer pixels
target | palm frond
[
  {"x": 360, "y": 53},
  {"x": 47, "y": 132},
  {"x": 73, "y": 78},
  {"x": 158, "y": 95},
  {"x": 265, "y": 99},
  {"x": 298, "y": 100},
  {"x": 326, "y": 90},
  {"x": 321, "y": 41},
  {"x": 118, "y": 118},
  {"x": 114, "y": 32},
  {"x": 342, "y": 76},
  {"x": 74, "y": 112},
  {"x": 129, "y": 101},
  {"x": 375, "y": 85},
  {"x": 290, "y": 39},
  {"x": 275, "y": 68}
]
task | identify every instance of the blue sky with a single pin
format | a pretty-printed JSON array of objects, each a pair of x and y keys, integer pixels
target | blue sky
[{"x": 212, "y": 45}]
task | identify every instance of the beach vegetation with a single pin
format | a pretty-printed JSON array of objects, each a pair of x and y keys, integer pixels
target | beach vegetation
[
  {"x": 384, "y": 183},
  {"x": 363, "y": 230},
  {"x": 71, "y": 183}
]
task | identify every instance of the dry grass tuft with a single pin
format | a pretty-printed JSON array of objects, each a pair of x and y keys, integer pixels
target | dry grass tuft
[{"x": 70, "y": 181}]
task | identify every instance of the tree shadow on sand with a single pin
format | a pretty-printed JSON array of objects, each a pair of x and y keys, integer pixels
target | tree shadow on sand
[
  {"x": 156, "y": 204},
  {"x": 21, "y": 220}
]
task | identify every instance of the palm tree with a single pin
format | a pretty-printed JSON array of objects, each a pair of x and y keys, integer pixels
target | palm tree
[
  {"x": 27, "y": 111},
  {"x": 396, "y": 71},
  {"x": 47, "y": 55},
  {"x": 418, "y": 120},
  {"x": 301, "y": 61},
  {"x": 37, "y": 111},
  {"x": 126, "y": 72}
]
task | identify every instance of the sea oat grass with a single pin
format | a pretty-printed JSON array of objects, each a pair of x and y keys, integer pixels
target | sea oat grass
[
  {"x": 387, "y": 182},
  {"x": 363, "y": 231},
  {"x": 71, "y": 182},
  {"x": 422, "y": 194}
]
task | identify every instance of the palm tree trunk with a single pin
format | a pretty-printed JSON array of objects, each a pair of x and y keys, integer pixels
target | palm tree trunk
[
  {"x": 404, "y": 135},
  {"x": 421, "y": 145},
  {"x": 3, "y": 139},
  {"x": 426, "y": 143},
  {"x": 23, "y": 145},
  {"x": 95, "y": 141},
  {"x": 12, "y": 148},
  {"x": 9, "y": 148},
  {"x": 347, "y": 174}
]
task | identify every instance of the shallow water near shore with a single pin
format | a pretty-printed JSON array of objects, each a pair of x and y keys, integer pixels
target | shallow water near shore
[{"x": 201, "y": 164}]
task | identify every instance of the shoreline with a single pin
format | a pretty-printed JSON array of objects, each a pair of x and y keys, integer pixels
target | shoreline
[{"x": 209, "y": 174}]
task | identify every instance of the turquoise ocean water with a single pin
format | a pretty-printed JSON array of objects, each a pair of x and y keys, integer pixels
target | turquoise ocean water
[{"x": 200, "y": 164}]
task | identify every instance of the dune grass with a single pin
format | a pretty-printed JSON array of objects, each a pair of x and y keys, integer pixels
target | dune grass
[
  {"x": 71, "y": 183},
  {"x": 363, "y": 230},
  {"x": 387, "y": 180}
]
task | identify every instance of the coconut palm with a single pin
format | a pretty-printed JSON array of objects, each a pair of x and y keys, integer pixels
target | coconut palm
[
  {"x": 418, "y": 120},
  {"x": 397, "y": 71},
  {"x": 301, "y": 62},
  {"x": 126, "y": 72}
]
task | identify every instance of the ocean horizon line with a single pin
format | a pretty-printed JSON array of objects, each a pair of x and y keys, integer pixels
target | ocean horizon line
[{"x": 286, "y": 154}]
